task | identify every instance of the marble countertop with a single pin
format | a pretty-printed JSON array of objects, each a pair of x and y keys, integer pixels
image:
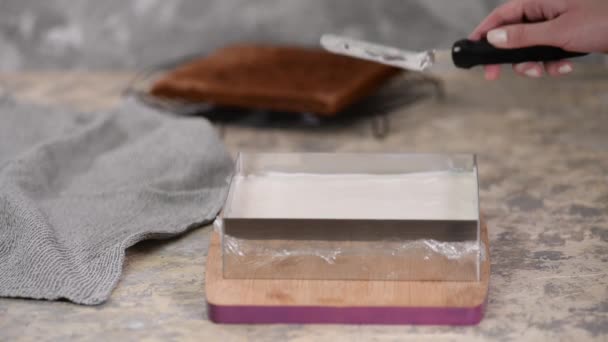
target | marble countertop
[{"x": 542, "y": 149}]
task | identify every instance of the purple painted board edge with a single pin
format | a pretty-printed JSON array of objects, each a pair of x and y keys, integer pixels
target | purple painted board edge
[{"x": 240, "y": 314}]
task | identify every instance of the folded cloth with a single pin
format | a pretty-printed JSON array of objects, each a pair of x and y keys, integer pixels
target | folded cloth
[{"x": 77, "y": 189}]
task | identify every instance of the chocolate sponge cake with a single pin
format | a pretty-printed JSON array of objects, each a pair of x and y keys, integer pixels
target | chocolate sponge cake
[{"x": 277, "y": 78}]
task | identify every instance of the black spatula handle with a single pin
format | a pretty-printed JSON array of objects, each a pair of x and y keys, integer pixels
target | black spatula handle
[{"x": 467, "y": 54}]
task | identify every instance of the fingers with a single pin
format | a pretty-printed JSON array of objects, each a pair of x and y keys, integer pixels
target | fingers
[
  {"x": 508, "y": 13},
  {"x": 558, "y": 68},
  {"x": 529, "y": 69},
  {"x": 519, "y": 11},
  {"x": 523, "y": 35},
  {"x": 492, "y": 72},
  {"x": 535, "y": 70}
]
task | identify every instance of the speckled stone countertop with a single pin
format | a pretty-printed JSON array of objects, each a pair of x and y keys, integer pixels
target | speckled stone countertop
[{"x": 543, "y": 161}]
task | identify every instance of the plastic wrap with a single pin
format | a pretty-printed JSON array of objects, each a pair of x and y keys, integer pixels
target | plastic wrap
[{"x": 419, "y": 259}]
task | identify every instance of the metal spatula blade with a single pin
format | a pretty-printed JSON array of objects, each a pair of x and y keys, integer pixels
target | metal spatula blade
[{"x": 411, "y": 60}]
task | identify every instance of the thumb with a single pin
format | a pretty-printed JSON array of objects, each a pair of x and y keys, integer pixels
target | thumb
[{"x": 524, "y": 35}]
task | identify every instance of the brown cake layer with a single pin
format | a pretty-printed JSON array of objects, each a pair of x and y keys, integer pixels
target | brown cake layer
[{"x": 290, "y": 79}]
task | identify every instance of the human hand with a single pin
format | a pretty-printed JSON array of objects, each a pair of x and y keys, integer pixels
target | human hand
[{"x": 573, "y": 25}]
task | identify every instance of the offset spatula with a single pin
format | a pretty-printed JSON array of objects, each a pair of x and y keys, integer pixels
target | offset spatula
[{"x": 464, "y": 54}]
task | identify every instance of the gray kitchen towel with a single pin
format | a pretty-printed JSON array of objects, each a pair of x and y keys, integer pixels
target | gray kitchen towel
[{"x": 77, "y": 189}]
